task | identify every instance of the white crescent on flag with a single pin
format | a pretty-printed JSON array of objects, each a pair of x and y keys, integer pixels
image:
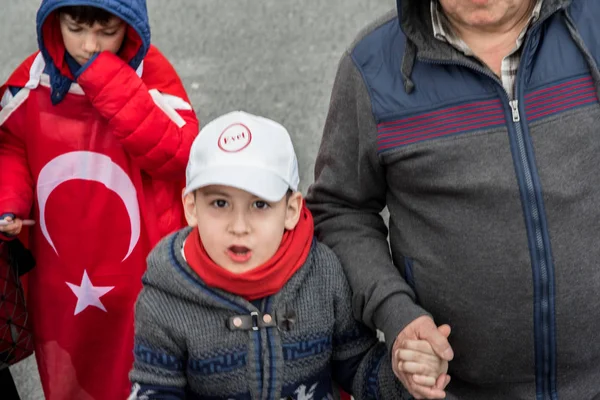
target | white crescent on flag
[{"x": 89, "y": 166}]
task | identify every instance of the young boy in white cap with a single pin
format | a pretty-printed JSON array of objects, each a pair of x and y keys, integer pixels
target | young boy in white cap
[{"x": 246, "y": 304}]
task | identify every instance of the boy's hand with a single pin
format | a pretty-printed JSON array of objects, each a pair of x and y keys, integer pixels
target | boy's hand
[
  {"x": 10, "y": 226},
  {"x": 423, "y": 328},
  {"x": 418, "y": 358}
]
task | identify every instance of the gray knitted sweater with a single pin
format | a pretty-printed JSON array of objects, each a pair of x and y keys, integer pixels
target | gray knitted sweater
[{"x": 193, "y": 341}]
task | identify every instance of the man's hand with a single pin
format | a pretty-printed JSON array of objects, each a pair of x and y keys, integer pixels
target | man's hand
[
  {"x": 423, "y": 328},
  {"x": 418, "y": 358}
]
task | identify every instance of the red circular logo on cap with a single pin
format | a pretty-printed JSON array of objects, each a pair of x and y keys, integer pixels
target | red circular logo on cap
[{"x": 235, "y": 138}]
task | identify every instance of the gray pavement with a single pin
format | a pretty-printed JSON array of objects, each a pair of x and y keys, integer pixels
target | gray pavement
[{"x": 275, "y": 58}]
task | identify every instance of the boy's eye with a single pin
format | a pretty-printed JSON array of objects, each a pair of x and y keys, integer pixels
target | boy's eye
[
  {"x": 219, "y": 203},
  {"x": 74, "y": 30},
  {"x": 111, "y": 33},
  {"x": 261, "y": 205}
]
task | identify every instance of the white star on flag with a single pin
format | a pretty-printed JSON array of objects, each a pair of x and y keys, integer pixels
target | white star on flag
[{"x": 88, "y": 294}]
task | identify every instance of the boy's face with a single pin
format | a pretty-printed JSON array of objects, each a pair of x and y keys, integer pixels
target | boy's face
[
  {"x": 83, "y": 41},
  {"x": 239, "y": 230}
]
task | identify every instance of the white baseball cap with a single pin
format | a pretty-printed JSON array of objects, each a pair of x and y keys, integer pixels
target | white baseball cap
[{"x": 244, "y": 151}]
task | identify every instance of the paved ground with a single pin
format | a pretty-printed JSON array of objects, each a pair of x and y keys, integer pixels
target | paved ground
[{"x": 276, "y": 58}]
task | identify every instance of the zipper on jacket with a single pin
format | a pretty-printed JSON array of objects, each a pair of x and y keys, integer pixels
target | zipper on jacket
[
  {"x": 542, "y": 286},
  {"x": 259, "y": 357},
  {"x": 514, "y": 106},
  {"x": 545, "y": 373},
  {"x": 267, "y": 308},
  {"x": 263, "y": 394},
  {"x": 545, "y": 369}
]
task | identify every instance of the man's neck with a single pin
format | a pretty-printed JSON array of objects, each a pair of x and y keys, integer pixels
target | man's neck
[{"x": 492, "y": 43}]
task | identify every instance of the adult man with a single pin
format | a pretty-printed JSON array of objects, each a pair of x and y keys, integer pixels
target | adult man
[{"x": 476, "y": 123}]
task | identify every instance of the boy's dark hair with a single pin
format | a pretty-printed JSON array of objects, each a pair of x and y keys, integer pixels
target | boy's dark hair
[{"x": 87, "y": 15}]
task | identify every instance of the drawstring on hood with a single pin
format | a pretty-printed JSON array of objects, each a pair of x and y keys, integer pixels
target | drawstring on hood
[
  {"x": 407, "y": 12},
  {"x": 408, "y": 63}
]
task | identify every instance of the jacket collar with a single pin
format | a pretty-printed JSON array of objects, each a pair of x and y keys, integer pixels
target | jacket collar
[{"x": 415, "y": 20}]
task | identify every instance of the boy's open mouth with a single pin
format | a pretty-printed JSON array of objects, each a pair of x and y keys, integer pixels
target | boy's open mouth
[{"x": 239, "y": 253}]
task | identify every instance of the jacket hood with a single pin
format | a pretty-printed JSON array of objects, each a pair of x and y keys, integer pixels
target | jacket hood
[{"x": 133, "y": 12}]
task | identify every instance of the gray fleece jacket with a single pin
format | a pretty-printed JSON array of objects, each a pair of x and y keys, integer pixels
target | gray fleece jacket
[
  {"x": 197, "y": 342},
  {"x": 494, "y": 202}
]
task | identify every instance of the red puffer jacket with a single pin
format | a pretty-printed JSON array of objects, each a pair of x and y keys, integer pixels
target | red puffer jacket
[{"x": 149, "y": 118}]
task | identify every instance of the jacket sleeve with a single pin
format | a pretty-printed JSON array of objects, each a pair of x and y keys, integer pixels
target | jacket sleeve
[
  {"x": 346, "y": 200},
  {"x": 159, "y": 353},
  {"x": 361, "y": 363},
  {"x": 154, "y": 122},
  {"x": 16, "y": 182}
]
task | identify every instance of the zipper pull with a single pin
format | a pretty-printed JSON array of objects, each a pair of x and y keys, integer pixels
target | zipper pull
[{"x": 514, "y": 105}]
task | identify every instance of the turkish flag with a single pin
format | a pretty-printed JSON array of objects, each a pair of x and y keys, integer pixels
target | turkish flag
[
  {"x": 88, "y": 282},
  {"x": 102, "y": 198},
  {"x": 90, "y": 242}
]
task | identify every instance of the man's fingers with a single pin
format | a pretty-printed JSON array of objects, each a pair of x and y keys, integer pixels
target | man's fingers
[
  {"x": 420, "y": 356},
  {"x": 442, "y": 381},
  {"x": 418, "y": 345},
  {"x": 411, "y": 367},
  {"x": 422, "y": 328},
  {"x": 444, "y": 330},
  {"x": 423, "y": 392},
  {"x": 438, "y": 341},
  {"x": 417, "y": 390},
  {"x": 424, "y": 380},
  {"x": 446, "y": 381}
]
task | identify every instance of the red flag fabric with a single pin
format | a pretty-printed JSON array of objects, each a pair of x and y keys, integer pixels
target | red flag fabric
[{"x": 101, "y": 171}]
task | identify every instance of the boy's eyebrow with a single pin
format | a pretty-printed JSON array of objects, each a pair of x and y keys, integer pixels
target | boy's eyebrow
[
  {"x": 213, "y": 193},
  {"x": 68, "y": 18},
  {"x": 113, "y": 24}
]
